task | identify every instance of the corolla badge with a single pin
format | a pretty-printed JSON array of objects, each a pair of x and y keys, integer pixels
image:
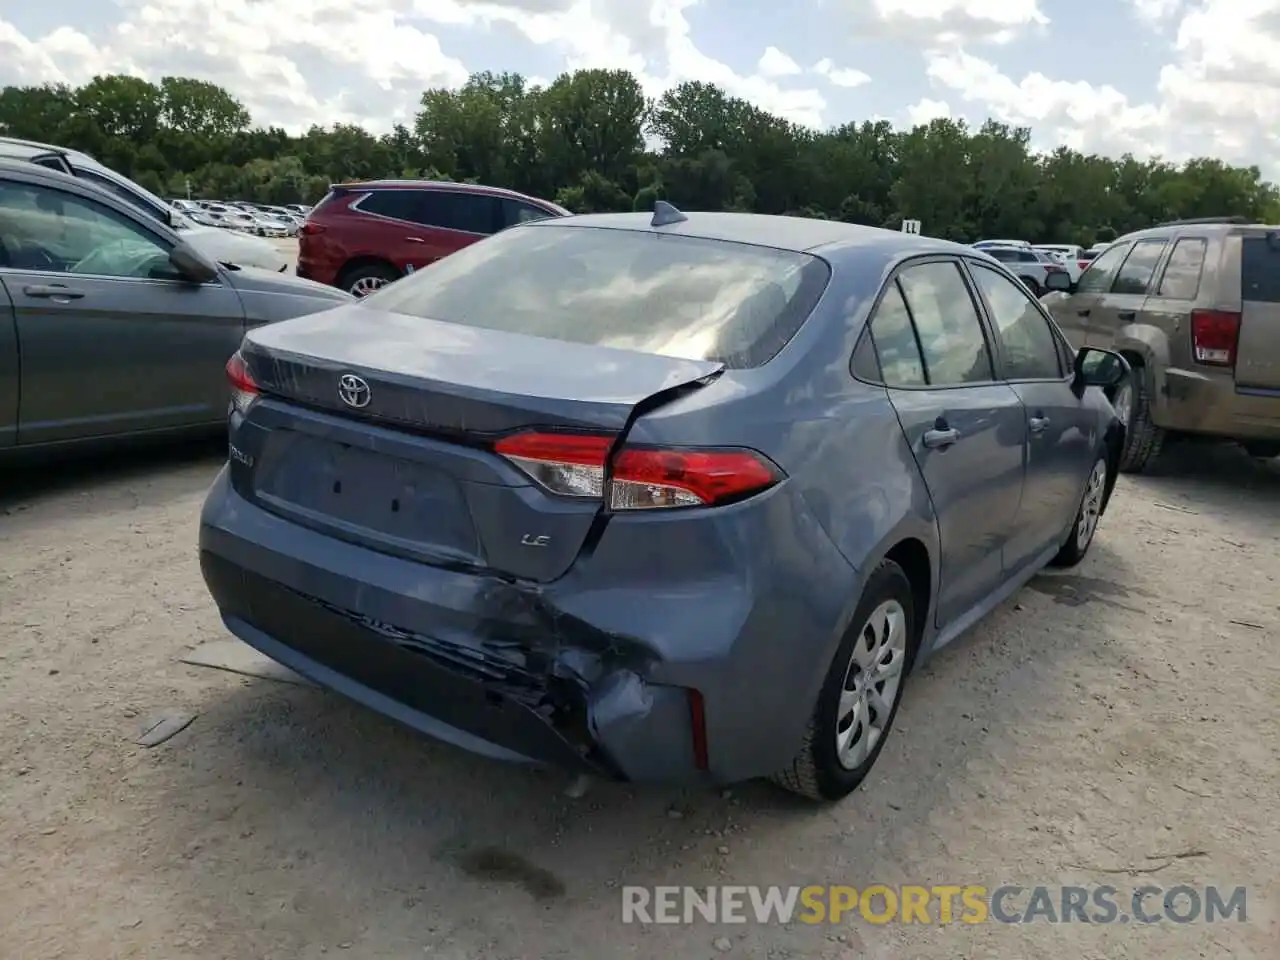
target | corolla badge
[{"x": 354, "y": 391}]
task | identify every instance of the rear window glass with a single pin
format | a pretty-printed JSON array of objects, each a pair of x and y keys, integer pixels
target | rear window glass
[
  {"x": 656, "y": 293},
  {"x": 1260, "y": 268},
  {"x": 1181, "y": 280}
]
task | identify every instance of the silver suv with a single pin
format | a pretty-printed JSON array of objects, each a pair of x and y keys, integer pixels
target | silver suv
[{"x": 1194, "y": 305}]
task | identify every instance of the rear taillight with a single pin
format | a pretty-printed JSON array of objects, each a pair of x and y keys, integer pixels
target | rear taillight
[
  {"x": 1054, "y": 268},
  {"x": 244, "y": 389},
  {"x": 310, "y": 229},
  {"x": 1214, "y": 335},
  {"x": 638, "y": 478}
]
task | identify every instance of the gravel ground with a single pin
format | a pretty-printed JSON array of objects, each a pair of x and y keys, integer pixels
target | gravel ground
[{"x": 1116, "y": 725}]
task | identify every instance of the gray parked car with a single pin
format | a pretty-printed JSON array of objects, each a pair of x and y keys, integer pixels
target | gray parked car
[
  {"x": 671, "y": 499},
  {"x": 110, "y": 324}
]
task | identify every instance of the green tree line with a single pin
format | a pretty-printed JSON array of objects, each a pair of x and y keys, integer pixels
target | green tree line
[{"x": 592, "y": 141}]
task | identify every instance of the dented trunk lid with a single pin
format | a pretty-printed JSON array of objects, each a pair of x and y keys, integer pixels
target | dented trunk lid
[{"x": 409, "y": 470}]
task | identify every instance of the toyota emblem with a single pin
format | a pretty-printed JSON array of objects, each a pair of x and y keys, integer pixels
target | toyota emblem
[{"x": 354, "y": 391}]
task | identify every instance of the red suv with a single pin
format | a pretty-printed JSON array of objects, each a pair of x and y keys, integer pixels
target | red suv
[{"x": 362, "y": 236}]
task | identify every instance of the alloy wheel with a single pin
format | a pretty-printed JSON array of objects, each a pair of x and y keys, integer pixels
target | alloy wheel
[
  {"x": 1091, "y": 506},
  {"x": 366, "y": 285},
  {"x": 871, "y": 685}
]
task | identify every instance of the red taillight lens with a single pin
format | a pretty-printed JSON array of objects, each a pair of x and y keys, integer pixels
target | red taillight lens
[
  {"x": 638, "y": 478},
  {"x": 244, "y": 389},
  {"x": 310, "y": 229},
  {"x": 643, "y": 478},
  {"x": 1214, "y": 335}
]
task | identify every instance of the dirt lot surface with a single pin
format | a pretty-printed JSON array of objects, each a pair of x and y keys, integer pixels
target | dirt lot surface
[{"x": 1117, "y": 725}]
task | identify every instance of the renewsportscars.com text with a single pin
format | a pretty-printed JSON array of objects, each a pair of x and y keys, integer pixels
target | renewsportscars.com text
[{"x": 935, "y": 904}]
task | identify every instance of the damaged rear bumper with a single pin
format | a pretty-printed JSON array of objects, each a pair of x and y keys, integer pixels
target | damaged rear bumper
[
  {"x": 704, "y": 668},
  {"x": 497, "y": 677}
]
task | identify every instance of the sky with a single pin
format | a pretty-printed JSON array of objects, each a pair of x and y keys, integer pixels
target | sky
[{"x": 1175, "y": 78}]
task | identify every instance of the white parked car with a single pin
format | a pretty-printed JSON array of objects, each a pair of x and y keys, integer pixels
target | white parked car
[
  {"x": 1029, "y": 265},
  {"x": 983, "y": 244},
  {"x": 1069, "y": 255}
]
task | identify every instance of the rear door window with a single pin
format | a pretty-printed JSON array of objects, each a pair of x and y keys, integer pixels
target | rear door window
[
  {"x": 468, "y": 212},
  {"x": 632, "y": 289},
  {"x": 1136, "y": 272},
  {"x": 946, "y": 320},
  {"x": 901, "y": 364},
  {"x": 397, "y": 204},
  {"x": 1260, "y": 268},
  {"x": 1181, "y": 280}
]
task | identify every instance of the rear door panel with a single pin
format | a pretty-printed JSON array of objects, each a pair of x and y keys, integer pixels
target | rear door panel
[
  {"x": 1258, "y": 353},
  {"x": 975, "y": 485}
]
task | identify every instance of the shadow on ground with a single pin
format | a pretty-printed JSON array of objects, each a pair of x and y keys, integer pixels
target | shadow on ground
[
  {"x": 1221, "y": 477},
  {"x": 23, "y": 484}
]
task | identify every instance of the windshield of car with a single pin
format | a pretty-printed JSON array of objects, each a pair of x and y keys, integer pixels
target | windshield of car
[{"x": 676, "y": 296}]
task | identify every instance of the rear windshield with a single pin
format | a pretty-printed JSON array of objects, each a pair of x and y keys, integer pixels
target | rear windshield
[
  {"x": 657, "y": 293},
  {"x": 1260, "y": 268}
]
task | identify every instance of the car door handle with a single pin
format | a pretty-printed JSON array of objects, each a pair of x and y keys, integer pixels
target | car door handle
[
  {"x": 939, "y": 437},
  {"x": 414, "y": 240},
  {"x": 53, "y": 291},
  {"x": 1084, "y": 313},
  {"x": 1038, "y": 423},
  {"x": 1126, "y": 314}
]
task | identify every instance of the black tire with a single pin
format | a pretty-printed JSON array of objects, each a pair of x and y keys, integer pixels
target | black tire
[
  {"x": 1076, "y": 547},
  {"x": 1143, "y": 439},
  {"x": 1033, "y": 285},
  {"x": 363, "y": 277},
  {"x": 816, "y": 771}
]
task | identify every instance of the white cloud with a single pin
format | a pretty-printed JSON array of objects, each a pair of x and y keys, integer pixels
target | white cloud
[
  {"x": 919, "y": 114},
  {"x": 999, "y": 21},
  {"x": 840, "y": 76},
  {"x": 775, "y": 63},
  {"x": 651, "y": 38},
  {"x": 1156, "y": 11},
  {"x": 1220, "y": 95},
  {"x": 254, "y": 50},
  {"x": 297, "y": 62}
]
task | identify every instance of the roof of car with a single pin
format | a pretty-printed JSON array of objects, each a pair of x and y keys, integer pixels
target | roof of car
[
  {"x": 783, "y": 233},
  {"x": 1199, "y": 227},
  {"x": 460, "y": 186},
  {"x": 21, "y": 170},
  {"x": 17, "y": 147}
]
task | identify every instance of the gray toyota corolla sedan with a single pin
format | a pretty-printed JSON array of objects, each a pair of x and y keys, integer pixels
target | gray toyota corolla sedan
[
  {"x": 669, "y": 498},
  {"x": 111, "y": 326}
]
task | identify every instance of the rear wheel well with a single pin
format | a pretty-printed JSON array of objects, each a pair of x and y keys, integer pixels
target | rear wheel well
[
  {"x": 356, "y": 263},
  {"x": 913, "y": 557}
]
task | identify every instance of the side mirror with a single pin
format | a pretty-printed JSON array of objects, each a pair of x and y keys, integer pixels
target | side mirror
[
  {"x": 1060, "y": 282},
  {"x": 192, "y": 266},
  {"x": 1099, "y": 368}
]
